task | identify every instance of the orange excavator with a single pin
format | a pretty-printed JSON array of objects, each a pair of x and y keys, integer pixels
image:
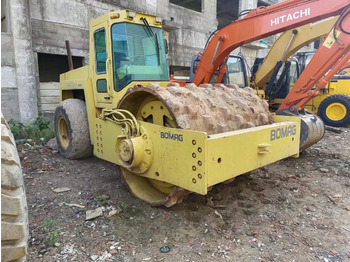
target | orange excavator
[{"x": 262, "y": 22}]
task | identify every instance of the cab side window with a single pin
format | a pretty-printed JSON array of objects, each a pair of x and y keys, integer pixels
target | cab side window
[
  {"x": 101, "y": 85},
  {"x": 100, "y": 50}
]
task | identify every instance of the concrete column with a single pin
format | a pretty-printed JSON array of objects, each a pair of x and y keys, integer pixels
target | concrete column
[
  {"x": 247, "y": 4},
  {"x": 209, "y": 7},
  {"x": 24, "y": 60},
  {"x": 163, "y": 9},
  {"x": 151, "y": 6},
  {"x": 209, "y": 17}
]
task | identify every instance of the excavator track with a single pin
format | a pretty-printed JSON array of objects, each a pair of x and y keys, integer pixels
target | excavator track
[{"x": 212, "y": 109}]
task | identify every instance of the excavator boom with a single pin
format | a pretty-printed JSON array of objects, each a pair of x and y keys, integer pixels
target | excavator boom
[{"x": 260, "y": 23}]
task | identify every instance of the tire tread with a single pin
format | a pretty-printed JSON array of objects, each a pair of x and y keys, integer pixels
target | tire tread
[
  {"x": 336, "y": 98},
  {"x": 75, "y": 114},
  {"x": 14, "y": 213}
]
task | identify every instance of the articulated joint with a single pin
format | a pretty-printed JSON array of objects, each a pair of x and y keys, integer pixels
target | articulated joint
[{"x": 134, "y": 154}]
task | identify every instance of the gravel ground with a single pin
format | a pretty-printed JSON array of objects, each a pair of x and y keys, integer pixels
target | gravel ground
[{"x": 293, "y": 210}]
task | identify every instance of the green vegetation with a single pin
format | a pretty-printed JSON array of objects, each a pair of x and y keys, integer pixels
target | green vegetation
[
  {"x": 39, "y": 131},
  {"x": 53, "y": 238},
  {"x": 100, "y": 198},
  {"x": 48, "y": 223},
  {"x": 52, "y": 235}
]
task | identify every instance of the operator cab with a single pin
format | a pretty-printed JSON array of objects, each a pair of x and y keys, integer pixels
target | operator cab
[
  {"x": 127, "y": 47},
  {"x": 236, "y": 71},
  {"x": 138, "y": 54}
]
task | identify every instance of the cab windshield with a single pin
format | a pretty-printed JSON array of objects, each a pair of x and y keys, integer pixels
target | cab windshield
[
  {"x": 138, "y": 55},
  {"x": 235, "y": 71}
]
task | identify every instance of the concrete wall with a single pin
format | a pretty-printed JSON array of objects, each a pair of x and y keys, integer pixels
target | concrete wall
[
  {"x": 19, "y": 97},
  {"x": 191, "y": 33},
  {"x": 9, "y": 89},
  {"x": 53, "y": 22}
]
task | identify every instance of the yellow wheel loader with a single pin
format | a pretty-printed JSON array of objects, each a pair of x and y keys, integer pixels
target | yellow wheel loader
[{"x": 168, "y": 140}]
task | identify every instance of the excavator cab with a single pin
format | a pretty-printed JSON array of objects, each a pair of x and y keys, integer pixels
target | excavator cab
[
  {"x": 236, "y": 72},
  {"x": 304, "y": 58}
]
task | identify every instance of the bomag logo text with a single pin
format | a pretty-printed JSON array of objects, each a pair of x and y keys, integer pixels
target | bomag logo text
[
  {"x": 283, "y": 132},
  {"x": 168, "y": 135}
]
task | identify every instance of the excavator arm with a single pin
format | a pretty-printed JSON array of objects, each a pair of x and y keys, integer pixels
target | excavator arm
[
  {"x": 329, "y": 59},
  {"x": 260, "y": 23},
  {"x": 285, "y": 46},
  {"x": 288, "y": 44}
]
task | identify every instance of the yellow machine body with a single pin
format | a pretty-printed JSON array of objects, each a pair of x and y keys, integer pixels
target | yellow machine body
[
  {"x": 191, "y": 160},
  {"x": 335, "y": 86},
  {"x": 84, "y": 78},
  {"x": 197, "y": 161}
]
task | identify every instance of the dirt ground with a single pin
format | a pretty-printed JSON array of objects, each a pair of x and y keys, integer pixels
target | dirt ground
[{"x": 293, "y": 210}]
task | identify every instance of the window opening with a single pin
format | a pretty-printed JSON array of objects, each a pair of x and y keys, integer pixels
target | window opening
[
  {"x": 262, "y": 3},
  {"x": 195, "y": 5},
  {"x": 51, "y": 66},
  {"x": 102, "y": 86},
  {"x": 227, "y": 11},
  {"x": 100, "y": 50},
  {"x": 317, "y": 43}
]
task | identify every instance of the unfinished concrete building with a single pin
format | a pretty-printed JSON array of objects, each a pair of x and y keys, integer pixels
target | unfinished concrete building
[{"x": 34, "y": 34}]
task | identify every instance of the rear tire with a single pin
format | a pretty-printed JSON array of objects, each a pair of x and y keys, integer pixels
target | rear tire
[
  {"x": 14, "y": 211},
  {"x": 335, "y": 110},
  {"x": 72, "y": 129}
]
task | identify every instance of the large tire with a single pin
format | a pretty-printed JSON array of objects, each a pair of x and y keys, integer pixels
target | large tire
[
  {"x": 14, "y": 211},
  {"x": 335, "y": 110},
  {"x": 72, "y": 129}
]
